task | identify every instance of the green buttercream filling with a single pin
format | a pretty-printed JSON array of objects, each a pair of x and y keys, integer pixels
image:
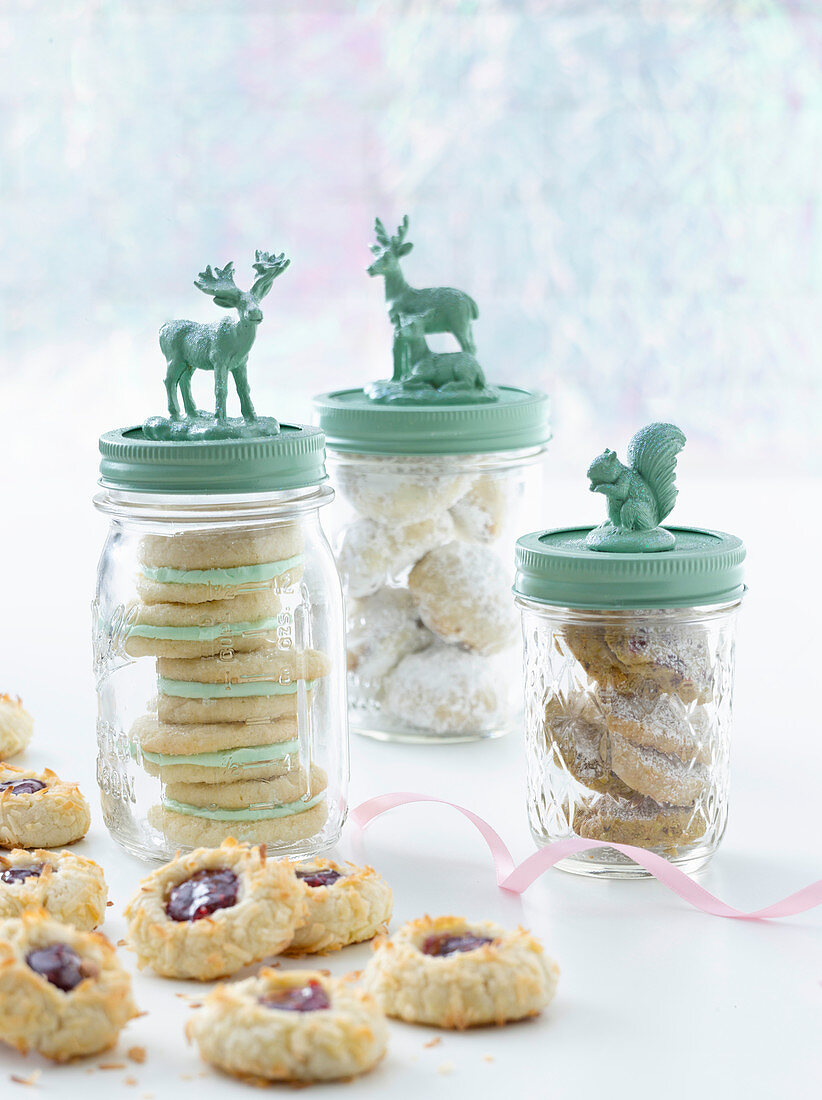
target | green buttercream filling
[
  {"x": 238, "y": 574},
  {"x": 200, "y": 633},
  {"x": 250, "y": 813},
  {"x": 228, "y": 758},
  {"x": 193, "y": 689}
]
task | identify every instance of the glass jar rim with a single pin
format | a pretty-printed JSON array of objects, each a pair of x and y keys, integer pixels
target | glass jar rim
[{"x": 196, "y": 509}]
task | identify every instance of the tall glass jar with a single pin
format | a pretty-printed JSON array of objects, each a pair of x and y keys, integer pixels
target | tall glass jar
[
  {"x": 219, "y": 646},
  {"x": 430, "y": 500},
  {"x": 628, "y": 678}
]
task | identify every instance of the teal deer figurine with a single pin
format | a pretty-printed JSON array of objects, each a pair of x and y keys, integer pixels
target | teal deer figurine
[
  {"x": 441, "y": 309},
  {"x": 223, "y": 346},
  {"x": 446, "y": 371}
]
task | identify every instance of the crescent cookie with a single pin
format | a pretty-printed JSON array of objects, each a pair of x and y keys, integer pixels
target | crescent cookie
[
  {"x": 289, "y": 1025},
  {"x": 676, "y": 658},
  {"x": 264, "y": 684},
  {"x": 346, "y": 904},
  {"x": 452, "y": 973},
  {"x": 481, "y": 514},
  {"x": 244, "y": 623},
  {"x": 222, "y": 752},
  {"x": 209, "y": 913},
  {"x": 196, "y": 566},
  {"x": 16, "y": 726},
  {"x": 275, "y": 812},
  {"x": 655, "y": 774},
  {"x": 39, "y": 810},
  {"x": 639, "y": 821},
  {"x": 588, "y": 646},
  {"x": 656, "y": 720},
  {"x": 69, "y": 888},
  {"x": 463, "y": 593},
  {"x": 372, "y": 553},
  {"x": 382, "y": 629},
  {"x": 63, "y": 992},
  {"x": 417, "y": 493},
  {"x": 576, "y": 728}
]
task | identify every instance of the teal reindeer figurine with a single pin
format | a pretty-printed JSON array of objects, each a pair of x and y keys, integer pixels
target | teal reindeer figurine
[
  {"x": 640, "y": 495},
  {"x": 446, "y": 371},
  {"x": 221, "y": 347}
]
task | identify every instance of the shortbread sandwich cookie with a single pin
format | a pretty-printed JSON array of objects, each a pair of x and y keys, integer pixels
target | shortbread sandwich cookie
[
  {"x": 244, "y": 623},
  {"x": 220, "y": 752},
  {"x": 640, "y": 821},
  {"x": 371, "y": 553},
  {"x": 39, "y": 810},
  {"x": 264, "y": 684},
  {"x": 195, "y": 566},
  {"x": 16, "y": 726},
  {"x": 576, "y": 728},
  {"x": 658, "y": 720},
  {"x": 208, "y": 914},
  {"x": 660, "y": 776},
  {"x": 275, "y": 812},
  {"x": 453, "y": 973},
  {"x": 63, "y": 992},
  {"x": 70, "y": 888},
  {"x": 416, "y": 493},
  {"x": 346, "y": 904},
  {"x": 289, "y": 1025}
]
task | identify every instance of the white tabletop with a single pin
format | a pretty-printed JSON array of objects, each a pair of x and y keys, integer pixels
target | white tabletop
[{"x": 653, "y": 995}]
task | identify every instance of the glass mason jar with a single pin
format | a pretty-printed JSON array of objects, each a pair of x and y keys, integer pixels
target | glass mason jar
[
  {"x": 219, "y": 649},
  {"x": 423, "y": 542},
  {"x": 628, "y": 709}
]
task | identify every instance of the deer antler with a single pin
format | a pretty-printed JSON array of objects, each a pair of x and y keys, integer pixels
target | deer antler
[
  {"x": 268, "y": 266},
  {"x": 219, "y": 284},
  {"x": 398, "y": 244}
]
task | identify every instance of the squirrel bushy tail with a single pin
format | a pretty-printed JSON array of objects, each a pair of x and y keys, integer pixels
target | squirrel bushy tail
[{"x": 652, "y": 454}]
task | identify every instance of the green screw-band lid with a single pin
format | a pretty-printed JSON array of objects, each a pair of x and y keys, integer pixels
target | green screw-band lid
[
  {"x": 294, "y": 459},
  {"x": 353, "y": 422},
  {"x": 556, "y": 567}
]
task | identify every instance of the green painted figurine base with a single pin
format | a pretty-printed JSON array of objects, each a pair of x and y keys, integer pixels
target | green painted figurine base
[
  {"x": 422, "y": 393},
  {"x": 616, "y": 540},
  {"x": 207, "y": 426}
]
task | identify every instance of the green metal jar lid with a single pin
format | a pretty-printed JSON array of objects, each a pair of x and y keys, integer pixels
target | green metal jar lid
[
  {"x": 293, "y": 459},
  {"x": 353, "y": 422},
  {"x": 557, "y": 567}
]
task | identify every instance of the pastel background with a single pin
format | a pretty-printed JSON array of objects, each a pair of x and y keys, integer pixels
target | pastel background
[{"x": 629, "y": 189}]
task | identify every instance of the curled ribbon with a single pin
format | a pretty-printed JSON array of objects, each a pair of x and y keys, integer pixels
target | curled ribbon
[{"x": 516, "y": 878}]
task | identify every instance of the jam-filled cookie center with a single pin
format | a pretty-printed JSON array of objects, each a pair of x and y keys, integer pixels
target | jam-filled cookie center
[
  {"x": 447, "y": 943},
  {"x": 22, "y": 786},
  {"x": 61, "y": 965},
  {"x": 326, "y": 876},
  {"x": 20, "y": 874},
  {"x": 300, "y": 998},
  {"x": 203, "y": 894}
]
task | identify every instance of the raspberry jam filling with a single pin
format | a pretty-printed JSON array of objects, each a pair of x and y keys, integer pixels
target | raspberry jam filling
[
  {"x": 300, "y": 998},
  {"x": 20, "y": 874},
  {"x": 325, "y": 877},
  {"x": 22, "y": 786},
  {"x": 61, "y": 965},
  {"x": 203, "y": 894},
  {"x": 444, "y": 943}
]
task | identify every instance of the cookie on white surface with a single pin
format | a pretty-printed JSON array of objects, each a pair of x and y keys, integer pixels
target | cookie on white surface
[
  {"x": 453, "y": 973},
  {"x": 463, "y": 592},
  {"x": 289, "y": 1025},
  {"x": 68, "y": 887},
  {"x": 16, "y": 726},
  {"x": 63, "y": 992},
  {"x": 209, "y": 913},
  {"x": 346, "y": 904},
  {"x": 382, "y": 629},
  {"x": 39, "y": 810},
  {"x": 371, "y": 553}
]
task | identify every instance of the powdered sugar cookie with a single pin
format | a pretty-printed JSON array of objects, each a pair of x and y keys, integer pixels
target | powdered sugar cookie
[
  {"x": 480, "y": 515},
  {"x": 244, "y": 623},
  {"x": 220, "y": 752},
  {"x": 447, "y": 690},
  {"x": 577, "y": 729},
  {"x": 640, "y": 821},
  {"x": 655, "y": 720},
  {"x": 382, "y": 629},
  {"x": 586, "y": 643},
  {"x": 419, "y": 492},
  {"x": 346, "y": 904},
  {"x": 453, "y": 973},
  {"x": 248, "y": 686},
  {"x": 276, "y": 812},
  {"x": 195, "y": 566},
  {"x": 289, "y": 1025},
  {"x": 16, "y": 726},
  {"x": 662, "y": 777},
  {"x": 463, "y": 593},
  {"x": 62, "y": 992},
  {"x": 677, "y": 658},
  {"x": 39, "y": 810},
  {"x": 209, "y": 913},
  {"x": 70, "y": 888},
  {"x": 371, "y": 553}
]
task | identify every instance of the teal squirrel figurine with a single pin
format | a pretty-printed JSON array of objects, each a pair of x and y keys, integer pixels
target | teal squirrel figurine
[{"x": 640, "y": 495}]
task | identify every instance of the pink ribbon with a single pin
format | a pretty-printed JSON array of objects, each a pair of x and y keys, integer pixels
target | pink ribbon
[{"x": 516, "y": 878}]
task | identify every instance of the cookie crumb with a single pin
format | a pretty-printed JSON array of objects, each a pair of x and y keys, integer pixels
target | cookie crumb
[
  {"x": 137, "y": 1054},
  {"x": 130, "y": 1081},
  {"x": 122, "y": 943},
  {"x": 445, "y": 1068},
  {"x": 112, "y": 1065},
  {"x": 488, "y": 1057},
  {"x": 30, "y": 1081},
  {"x": 147, "y": 1096},
  {"x": 435, "y": 1042}
]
